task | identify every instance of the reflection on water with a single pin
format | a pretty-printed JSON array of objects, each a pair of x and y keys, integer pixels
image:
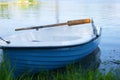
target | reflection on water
[
  {"x": 4, "y": 12},
  {"x": 10, "y": 11},
  {"x": 27, "y": 11}
]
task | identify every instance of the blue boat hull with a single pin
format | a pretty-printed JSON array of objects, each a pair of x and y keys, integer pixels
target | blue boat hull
[{"x": 35, "y": 59}]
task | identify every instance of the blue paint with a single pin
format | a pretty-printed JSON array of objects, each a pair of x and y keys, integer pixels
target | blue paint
[{"x": 35, "y": 59}]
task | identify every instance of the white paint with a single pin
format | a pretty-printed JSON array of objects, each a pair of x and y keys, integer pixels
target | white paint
[{"x": 50, "y": 37}]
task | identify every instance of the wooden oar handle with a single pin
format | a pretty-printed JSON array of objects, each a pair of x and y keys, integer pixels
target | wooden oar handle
[{"x": 76, "y": 22}]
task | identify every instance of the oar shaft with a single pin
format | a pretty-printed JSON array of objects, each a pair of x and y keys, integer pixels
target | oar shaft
[
  {"x": 8, "y": 42},
  {"x": 69, "y": 23},
  {"x": 38, "y": 27}
]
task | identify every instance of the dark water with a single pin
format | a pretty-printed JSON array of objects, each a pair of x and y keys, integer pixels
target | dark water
[{"x": 106, "y": 14}]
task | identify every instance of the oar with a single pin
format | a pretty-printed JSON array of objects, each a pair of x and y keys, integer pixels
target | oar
[
  {"x": 69, "y": 23},
  {"x": 8, "y": 42}
]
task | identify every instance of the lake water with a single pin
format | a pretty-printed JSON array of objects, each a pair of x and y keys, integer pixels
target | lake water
[{"x": 105, "y": 14}]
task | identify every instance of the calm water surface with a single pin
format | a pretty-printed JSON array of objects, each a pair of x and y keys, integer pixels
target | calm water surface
[{"x": 105, "y": 15}]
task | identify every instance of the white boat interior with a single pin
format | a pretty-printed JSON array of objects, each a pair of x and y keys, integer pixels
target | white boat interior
[{"x": 50, "y": 37}]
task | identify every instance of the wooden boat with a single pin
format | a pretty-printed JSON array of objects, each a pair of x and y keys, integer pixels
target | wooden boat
[{"x": 51, "y": 48}]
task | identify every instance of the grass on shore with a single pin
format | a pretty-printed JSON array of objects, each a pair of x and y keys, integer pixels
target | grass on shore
[{"x": 69, "y": 73}]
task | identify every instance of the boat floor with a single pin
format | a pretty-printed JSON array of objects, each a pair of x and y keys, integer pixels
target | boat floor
[{"x": 59, "y": 36}]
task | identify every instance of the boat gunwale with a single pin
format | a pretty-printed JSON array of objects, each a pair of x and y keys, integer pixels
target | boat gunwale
[
  {"x": 49, "y": 47},
  {"x": 53, "y": 47}
]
